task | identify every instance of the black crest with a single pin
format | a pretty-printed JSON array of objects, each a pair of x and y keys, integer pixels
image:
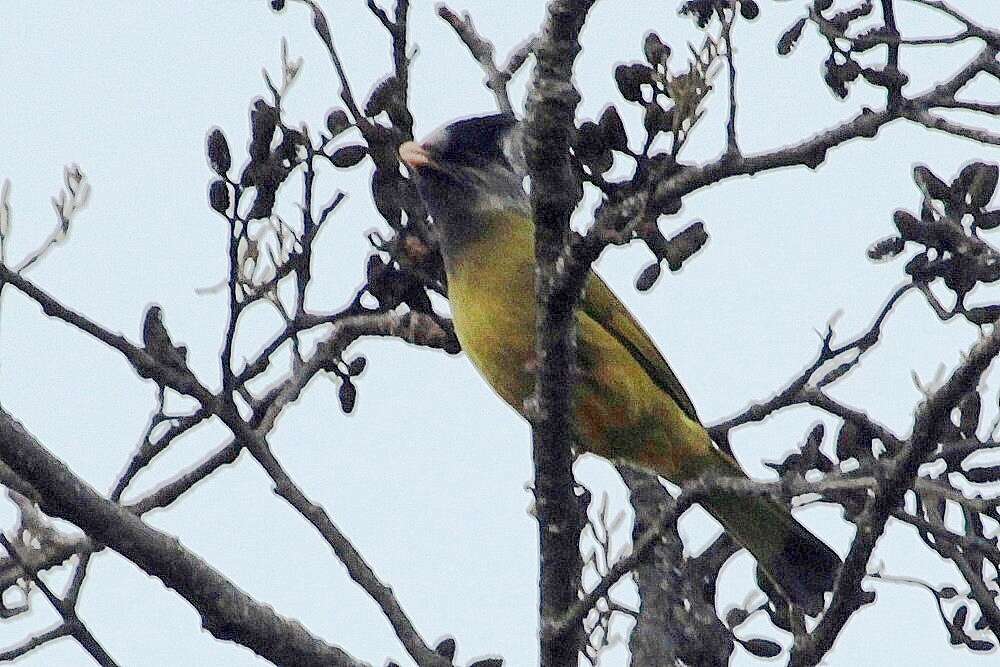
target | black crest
[{"x": 474, "y": 141}]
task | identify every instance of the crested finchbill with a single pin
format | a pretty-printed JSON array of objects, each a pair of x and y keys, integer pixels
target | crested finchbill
[{"x": 629, "y": 406}]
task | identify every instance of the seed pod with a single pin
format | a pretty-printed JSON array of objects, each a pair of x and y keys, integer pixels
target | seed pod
[
  {"x": 263, "y": 121},
  {"x": 909, "y": 227},
  {"x": 381, "y": 96},
  {"x": 648, "y": 277},
  {"x": 218, "y": 196},
  {"x": 347, "y": 394},
  {"x": 979, "y": 181},
  {"x": 613, "y": 129},
  {"x": 357, "y": 365},
  {"x": 657, "y": 119},
  {"x": 762, "y": 648},
  {"x": 446, "y": 648},
  {"x": 348, "y": 156},
  {"x": 988, "y": 219},
  {"x": 218, "y": 152},
  {"x": 749, "y": 9},
  {"x": 791, "y": 37},
  {"x": 934, "y": 186},
  {"x": 655, "y": 50},
  {"x": 630, "y": 79},
  {"x": 736, "y": 616},
  {"x": 590, "y": 141},
  {"x": 886, "y": 248},
  {"x": 833, "y": 77},
  {"x": 888, "y": 77},
  {"x": 337, "y": 122}
]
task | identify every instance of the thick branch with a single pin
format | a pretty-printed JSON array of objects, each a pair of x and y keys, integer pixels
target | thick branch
[
  {"x": 226, "y": 611},
  {"x": 555, "y": 191}
]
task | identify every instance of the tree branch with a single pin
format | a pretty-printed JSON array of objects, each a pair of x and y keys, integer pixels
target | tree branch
[
  {"x": 482, "y": 50},
  {"x": 555, "y": 191},
  {"x": 67, "y": 611},
  {"x": 35, "y": 642},
  {"x": 928, "y": 119},
  {"x": 812, "y": 152},
  {"x": 359, "y": 570},
  {"x": 226, "y": 611},
  {"x": 899, "y": 474}
]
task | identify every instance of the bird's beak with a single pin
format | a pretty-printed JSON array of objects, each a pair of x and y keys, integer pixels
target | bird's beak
[{"x": 415, "y": 156}]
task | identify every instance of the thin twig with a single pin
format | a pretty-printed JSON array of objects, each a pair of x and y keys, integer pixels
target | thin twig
[
  {"x": 899, "y": 474},
  {"x": 322, "y": 28},
  {"x": 728, "y": 19},
  {"x": 934, "y": 122},
  {"x": 895, "y": 92},
  {"x": 76, "y": 627},
  {"x": 62, "y": 630},
  {"x": 482, "y": 50},
  {"x": 359, "y": 570}
]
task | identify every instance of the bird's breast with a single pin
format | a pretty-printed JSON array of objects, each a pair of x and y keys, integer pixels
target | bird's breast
[{"x": 492, "y": 295}]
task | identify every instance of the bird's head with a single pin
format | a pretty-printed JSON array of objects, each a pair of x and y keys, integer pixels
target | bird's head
[{"x": 465, "y": 170}]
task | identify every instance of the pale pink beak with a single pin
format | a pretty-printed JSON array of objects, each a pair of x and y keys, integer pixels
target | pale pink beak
[{"x": 415, "y": 156}]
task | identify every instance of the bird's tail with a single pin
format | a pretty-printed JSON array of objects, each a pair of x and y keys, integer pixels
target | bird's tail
[{"x": 795, "y": 560}]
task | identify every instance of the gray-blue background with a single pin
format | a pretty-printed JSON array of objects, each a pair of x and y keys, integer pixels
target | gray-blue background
[{"x": 434, "y": 497}]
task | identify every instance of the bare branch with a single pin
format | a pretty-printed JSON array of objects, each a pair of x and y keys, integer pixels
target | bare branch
[
  {"x": 899, "y": 475},
  {"x": 951, "y": 127},
  {"x": 728, "y": 19},
  {"x": 71, "y": 621},
  {"x": 227, "y": 612},
  {"x": 991, "y": 37},
  {"x": 62, "y": 630},
  {"x": 555, "y": 191},
  {"x": 359, "y": 570},
  {"x": 180, "y": 379},
  {"x": 171, "y": 491},
  {"x": 812, "y": 152},
  {"x": 482, "y": 50},
  {"x": 322, "y": 28}
]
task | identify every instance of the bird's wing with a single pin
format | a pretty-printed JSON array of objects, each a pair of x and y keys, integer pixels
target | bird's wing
[{"x": 601, "y": 304}]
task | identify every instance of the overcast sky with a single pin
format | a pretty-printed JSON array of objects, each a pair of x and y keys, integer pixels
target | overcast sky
[{"x": 428, "y": 476}]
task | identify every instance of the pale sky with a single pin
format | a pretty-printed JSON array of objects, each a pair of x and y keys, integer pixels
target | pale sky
[{"x": 427, "y": 477}]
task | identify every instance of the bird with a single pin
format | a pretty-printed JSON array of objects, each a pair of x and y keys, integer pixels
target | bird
[{"x": 629, "y": 406}]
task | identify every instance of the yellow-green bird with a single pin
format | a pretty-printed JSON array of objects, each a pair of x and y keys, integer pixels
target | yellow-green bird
[{"x": 629, "y": 405}]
